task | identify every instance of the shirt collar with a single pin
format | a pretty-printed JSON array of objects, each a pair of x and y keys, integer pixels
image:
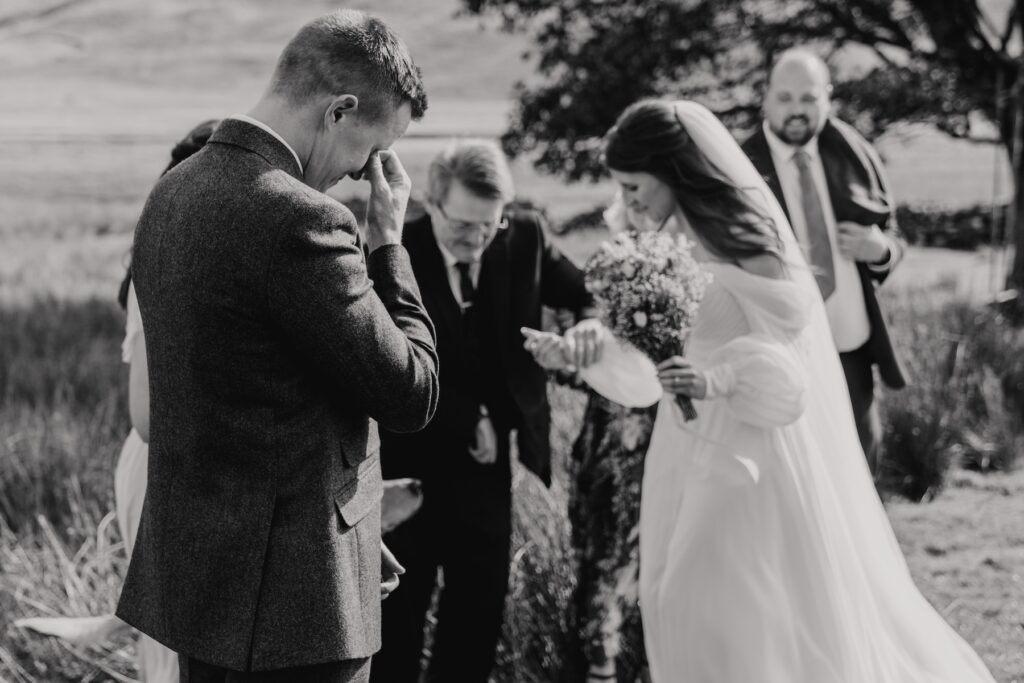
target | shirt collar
[
  {"x": 783, "y": 150},
  {"x": 259, "y": 124}
]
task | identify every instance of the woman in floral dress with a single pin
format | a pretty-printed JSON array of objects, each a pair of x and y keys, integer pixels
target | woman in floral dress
[{"x": 604, "y": 509}]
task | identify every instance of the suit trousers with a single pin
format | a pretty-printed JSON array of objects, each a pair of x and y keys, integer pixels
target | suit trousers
[
  {"x": 474, "y": 562},
  {"x": 858, "y": 367},
  {"x": 345, "y": 671}
]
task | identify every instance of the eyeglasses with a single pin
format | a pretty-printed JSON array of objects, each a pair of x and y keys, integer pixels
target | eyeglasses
[{"x": 468, "y": 227}]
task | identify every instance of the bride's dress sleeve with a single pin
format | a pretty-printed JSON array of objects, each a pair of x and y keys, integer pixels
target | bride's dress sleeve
[{"x": 760, "y": 380}]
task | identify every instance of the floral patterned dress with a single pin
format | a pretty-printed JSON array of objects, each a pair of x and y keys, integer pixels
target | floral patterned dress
[{"x": 604, "y": 508}]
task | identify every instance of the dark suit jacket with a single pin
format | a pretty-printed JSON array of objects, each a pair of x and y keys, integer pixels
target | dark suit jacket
[
  {"x": 859, "y": 192},
  {"x": 520, "y": 272},
  {"x": 274, "y": 349}
]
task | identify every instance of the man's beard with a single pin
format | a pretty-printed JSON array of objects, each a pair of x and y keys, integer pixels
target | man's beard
[{"x": 797, "y": 138}]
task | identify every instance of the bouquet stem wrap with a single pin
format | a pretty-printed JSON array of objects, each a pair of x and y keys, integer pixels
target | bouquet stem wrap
[{"x": 685, "y": 403}]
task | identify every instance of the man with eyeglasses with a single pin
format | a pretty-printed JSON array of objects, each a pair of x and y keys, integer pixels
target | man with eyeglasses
[{"x": 484, "y": 272}]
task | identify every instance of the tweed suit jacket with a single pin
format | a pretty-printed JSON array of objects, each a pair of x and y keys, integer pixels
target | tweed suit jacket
[
  {"x": 274, "y": 349},
  {"x": 854, "y": 198}
]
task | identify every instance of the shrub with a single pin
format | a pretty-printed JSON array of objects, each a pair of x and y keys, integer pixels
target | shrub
[
  {"x": 920, "y": 420},
  {"x": 582, "y": 222},
  {"x": 965, "y": 228},
  {"x": 537, "y": 635},
  {"x": 959, "y": 359}
]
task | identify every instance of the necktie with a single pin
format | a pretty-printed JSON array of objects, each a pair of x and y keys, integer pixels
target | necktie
[
  {"x": 466, "y": 288},
  {"x": 470, "y": 319},
  {"x": 820, "y": 247}
]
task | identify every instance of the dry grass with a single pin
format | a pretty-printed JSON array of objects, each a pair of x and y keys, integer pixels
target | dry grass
[
  {"x": 965, "y": 549},
  {"x": 63, "y": 417},
  {"x": 74, "y": 573}
]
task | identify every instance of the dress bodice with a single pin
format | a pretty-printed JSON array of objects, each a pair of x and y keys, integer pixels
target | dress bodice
[{"x": 719, "y": 319}]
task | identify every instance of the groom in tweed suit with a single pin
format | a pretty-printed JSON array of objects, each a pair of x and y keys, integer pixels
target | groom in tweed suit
[{"x": 275, "y": 347}]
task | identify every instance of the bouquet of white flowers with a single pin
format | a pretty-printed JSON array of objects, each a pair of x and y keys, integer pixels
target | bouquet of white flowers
[{"x": 649, "y": 287}]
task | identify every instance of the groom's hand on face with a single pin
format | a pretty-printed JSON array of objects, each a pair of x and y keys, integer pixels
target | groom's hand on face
[
  {"x": 389, "y": 196},
  {"x": 390, "y": 570}
]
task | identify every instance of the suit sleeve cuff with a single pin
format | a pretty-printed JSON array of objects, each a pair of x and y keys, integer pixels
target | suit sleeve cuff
[{"x": 388, "y": 259}]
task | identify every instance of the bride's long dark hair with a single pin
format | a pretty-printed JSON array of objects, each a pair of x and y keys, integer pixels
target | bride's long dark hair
[{"x": 649, "y": 137}]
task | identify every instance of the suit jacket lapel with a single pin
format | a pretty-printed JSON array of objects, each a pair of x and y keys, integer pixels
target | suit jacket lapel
[
  {"x": 761, "y": 156},
  {"x": 433, "y": 274},
  {"x": 495, "y": 267},
  {"x": 853, "y": 182}
]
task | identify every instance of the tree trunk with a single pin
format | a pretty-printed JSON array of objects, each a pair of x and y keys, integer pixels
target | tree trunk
[
  {"x": 1015, "y": 149},
  {"x": 1015, "y": 278},
  {"x": 1013, "y": 134}
]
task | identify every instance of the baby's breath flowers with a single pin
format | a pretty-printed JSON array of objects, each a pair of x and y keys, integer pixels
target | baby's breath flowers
[{"x": 649, "y": 288}]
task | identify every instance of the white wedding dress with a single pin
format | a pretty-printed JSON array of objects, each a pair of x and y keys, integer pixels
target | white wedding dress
[
  {"x": 765, "y": 553},
  {"x": 156, "y": 663}
]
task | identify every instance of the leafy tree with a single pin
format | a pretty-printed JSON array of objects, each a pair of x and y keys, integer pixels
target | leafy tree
[{"x": 931, "y": 61}]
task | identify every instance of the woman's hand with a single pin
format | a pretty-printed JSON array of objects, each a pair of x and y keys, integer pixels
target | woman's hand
[
  {"x": 548, "y": 349},
  {"x": 678, "y": 376},
  {"x": 390, "y": 570}
]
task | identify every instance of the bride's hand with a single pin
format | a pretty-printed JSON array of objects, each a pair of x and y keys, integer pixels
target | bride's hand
[
  {"x": 548, "y": 349},
  {"x": 678, "y": 376}
]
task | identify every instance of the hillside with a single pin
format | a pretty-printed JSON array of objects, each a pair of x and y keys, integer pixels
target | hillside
[
  {"x": 98, "y": 63},
  {"x": 94, "y": 92}
]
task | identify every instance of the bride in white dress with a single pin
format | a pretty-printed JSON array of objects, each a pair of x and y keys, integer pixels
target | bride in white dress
[{"x": 765, "y": 553}]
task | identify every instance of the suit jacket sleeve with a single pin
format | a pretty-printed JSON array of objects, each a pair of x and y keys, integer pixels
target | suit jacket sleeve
[
  {"x": 897, "y": 245},
  {"x": 562, "y": 284},
  {"x": 360, "y": 320}
]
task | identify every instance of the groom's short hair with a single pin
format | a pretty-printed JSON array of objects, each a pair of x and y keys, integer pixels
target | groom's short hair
[{"x": 348, "y": 51}]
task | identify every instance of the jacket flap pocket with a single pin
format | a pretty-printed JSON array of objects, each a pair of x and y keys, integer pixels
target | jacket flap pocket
[{"x": 361, "y": 496}]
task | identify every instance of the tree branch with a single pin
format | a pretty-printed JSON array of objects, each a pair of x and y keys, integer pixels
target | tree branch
[
  {"x": 897, "y": 35},
  {"x": 36, "y": 14}
]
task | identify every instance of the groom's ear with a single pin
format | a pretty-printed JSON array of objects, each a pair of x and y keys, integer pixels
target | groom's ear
[{"x": 341, "y": 106}]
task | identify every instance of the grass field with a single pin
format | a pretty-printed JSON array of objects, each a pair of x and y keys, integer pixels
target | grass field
[
  {"x": 63, "y": 416},
  {"x": 92, "y": 99},
  {"x": 95, "y": 96}
]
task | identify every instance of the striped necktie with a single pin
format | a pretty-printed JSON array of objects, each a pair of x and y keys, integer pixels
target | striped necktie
[{"x": 819, "y": 247}]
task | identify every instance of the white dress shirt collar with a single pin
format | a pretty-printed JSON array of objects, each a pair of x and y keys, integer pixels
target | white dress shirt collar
[
  {"x": 271, "y": 131},
  {"x": 450, "y": 263}
]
